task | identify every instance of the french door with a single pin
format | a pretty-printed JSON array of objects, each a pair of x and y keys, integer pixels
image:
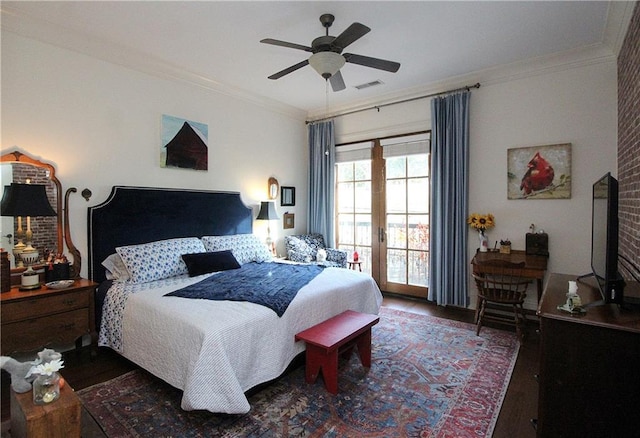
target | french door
[{"x": 382, "y": 210}]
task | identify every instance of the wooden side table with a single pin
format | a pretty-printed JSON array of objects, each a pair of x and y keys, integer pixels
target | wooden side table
[
  {"x": 60, "y": 418},
  {"x": 34, "y": 319},
  {"x": 355, "y": 264}
]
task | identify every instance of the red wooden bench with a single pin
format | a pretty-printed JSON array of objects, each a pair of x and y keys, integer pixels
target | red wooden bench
[{"x": 337, "y": 335}]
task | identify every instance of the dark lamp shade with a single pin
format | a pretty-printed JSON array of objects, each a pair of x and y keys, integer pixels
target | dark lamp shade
[
  {"x": 267, "y": 211},
  {"x": 26, "y": 200}
]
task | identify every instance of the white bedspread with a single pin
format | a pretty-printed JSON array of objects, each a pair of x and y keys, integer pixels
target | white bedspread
[{"x": 216, "y": 350}]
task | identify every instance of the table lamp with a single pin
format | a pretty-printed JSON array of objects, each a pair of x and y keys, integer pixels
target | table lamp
[
  {"x": 268, "y": 213},
  {"x": 28, "y": 200}
]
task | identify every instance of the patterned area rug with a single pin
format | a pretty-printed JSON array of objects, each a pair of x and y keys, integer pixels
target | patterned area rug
[{"x": 430, "y": 377}]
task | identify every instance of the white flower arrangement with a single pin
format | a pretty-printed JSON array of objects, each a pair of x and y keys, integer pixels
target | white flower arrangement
[{"x": 48, "y": 368}]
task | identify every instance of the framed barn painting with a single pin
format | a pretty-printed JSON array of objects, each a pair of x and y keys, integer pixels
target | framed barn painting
[
  {"x": 184, "y": 144},
  {"x": 539, "y": 172}
]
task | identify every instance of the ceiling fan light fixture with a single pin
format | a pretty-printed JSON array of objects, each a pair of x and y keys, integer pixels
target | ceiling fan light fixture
[{"x": 326, "y": 63}]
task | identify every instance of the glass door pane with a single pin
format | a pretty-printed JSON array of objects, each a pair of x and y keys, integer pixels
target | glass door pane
[
  {"x": 407, "y": 224},
  {"x": 354, "y": 227}
]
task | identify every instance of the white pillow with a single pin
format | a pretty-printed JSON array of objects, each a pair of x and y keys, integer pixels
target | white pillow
[
  {"x": 115, "y": 268},
  {"x": 245, "y": 247},
  {"x": 158, "y": 260}
]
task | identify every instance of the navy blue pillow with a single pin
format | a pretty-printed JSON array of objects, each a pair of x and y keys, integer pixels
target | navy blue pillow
[{"x": 206, "y": 262}]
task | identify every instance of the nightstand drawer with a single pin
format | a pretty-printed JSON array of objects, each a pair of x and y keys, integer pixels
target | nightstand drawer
[
  {"x": 35, "y": 333},
  {"x": 40, "y": 306}
]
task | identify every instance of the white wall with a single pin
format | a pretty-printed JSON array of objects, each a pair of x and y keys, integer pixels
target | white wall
[
  {"x": 99, "y": 124},
  {"x": 576, "y": 105}
]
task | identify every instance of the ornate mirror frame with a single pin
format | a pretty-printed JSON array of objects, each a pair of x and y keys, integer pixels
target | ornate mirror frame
[
  {"x": 272, "y": 188},
  {"x": 62, "y": 233}
]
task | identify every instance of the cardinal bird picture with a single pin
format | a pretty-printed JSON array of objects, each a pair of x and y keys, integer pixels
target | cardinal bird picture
[
  {"x": 539, "y": 175},
  {"x": 541, "y": 172}
]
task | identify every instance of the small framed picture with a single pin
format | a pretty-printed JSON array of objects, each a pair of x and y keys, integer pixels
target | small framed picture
[
  {"x": 287, "y": 196},
  {"x": 288, "y": 221}
]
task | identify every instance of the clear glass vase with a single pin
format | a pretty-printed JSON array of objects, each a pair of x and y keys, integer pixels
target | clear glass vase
[{"x": 46, "y": 389}]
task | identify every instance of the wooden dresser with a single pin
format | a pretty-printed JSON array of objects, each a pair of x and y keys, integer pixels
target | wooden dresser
[
  {"x": 589, "y": 381},
  {"x": 35, "y": 319}
]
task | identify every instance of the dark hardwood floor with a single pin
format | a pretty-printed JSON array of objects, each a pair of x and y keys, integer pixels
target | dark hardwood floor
[{"x": 82, "y": 369}]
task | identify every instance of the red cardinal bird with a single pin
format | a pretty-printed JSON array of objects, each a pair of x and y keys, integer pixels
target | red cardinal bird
[{"x": 539, "y": 176}]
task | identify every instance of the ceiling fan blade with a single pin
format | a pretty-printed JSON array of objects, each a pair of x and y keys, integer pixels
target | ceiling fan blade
[
  {"x": 288, "y": 70},
  {"x": 350, "y": 34},
  {"x": 286, "y": 44},
  {"x": 380, "y": 64},
  {"x": 337, "y": 82}
]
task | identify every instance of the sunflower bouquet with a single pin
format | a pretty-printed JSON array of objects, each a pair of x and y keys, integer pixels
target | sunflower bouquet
[{"x": 481, "y": 222}]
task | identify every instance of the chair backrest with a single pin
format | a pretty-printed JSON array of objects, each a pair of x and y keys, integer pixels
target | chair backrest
[
  {"x": 501, "y": 281},
  {"x": 314, "y": 240}
]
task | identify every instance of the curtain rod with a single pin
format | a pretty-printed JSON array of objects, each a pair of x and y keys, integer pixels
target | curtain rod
[{"x": 377, "y": 107}]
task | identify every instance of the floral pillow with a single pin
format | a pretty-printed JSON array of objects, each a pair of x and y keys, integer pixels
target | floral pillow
[
  {"x": 158, "y": 260},
  {"x": 300, "y": 251},
  {"x": 245, "y": 247}
]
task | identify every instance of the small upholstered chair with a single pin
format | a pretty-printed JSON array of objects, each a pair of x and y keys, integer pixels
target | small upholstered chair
[
  {"x": 499, "y": 282},
  {"x": 304, "y": 247}
]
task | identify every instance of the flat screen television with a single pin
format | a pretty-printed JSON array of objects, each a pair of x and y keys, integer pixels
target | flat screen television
[{"x": 604, "y": 240}]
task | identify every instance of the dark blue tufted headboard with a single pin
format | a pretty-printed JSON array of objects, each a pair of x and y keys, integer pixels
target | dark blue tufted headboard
[{"x": 134, "y": 215}]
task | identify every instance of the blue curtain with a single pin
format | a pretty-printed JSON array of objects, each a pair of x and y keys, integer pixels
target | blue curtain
[
  {"x": 448, "y": 270},
  {"x": 322, "y": 159}
]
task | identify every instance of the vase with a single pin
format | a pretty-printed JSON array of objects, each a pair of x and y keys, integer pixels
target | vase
[
  {"x": 46, "y": 389},
  {"x": 484, "y": 241}
]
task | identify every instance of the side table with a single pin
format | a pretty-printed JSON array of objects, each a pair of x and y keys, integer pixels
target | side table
[
  {"x": 355, "y": 264},
  {"x": 60, "y": 418},
  {"x": 34, "y": 319}
]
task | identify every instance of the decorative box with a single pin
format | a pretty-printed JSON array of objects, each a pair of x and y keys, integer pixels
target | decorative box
[
  {"x": 56, "y": 272},
  {"x": 537, "y": 244}
]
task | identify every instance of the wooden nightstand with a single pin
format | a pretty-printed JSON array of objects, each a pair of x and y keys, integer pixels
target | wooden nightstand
[
  {"x": 61, "y": 418},
  {"x": 35, "y": 319}
]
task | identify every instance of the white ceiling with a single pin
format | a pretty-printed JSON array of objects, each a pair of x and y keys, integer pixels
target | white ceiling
[{"x": 216, "y": 44}]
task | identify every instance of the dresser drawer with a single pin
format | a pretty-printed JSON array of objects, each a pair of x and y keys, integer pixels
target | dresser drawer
[
  {"x": 44, "y": 305},
  {"x": 36, "y": 333}
]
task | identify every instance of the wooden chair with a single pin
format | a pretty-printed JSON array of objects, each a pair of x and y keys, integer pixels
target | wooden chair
[{"x": 500, "y": 283}]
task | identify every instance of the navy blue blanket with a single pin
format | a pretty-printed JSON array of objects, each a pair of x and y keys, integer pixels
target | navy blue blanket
[{"x": 273, "y": 285}]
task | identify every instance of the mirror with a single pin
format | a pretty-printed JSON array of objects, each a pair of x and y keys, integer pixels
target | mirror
[
  {"x": 47, "y": 231},
  {"x": 273, "y": 188}
]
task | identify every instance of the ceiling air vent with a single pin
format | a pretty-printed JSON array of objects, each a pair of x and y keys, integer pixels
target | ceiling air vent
[{"x": 369, "y": 84}]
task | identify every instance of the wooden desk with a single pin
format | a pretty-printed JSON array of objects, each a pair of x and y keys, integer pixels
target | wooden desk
[
  {"x": 534, "y": 268},
  {"x": 588, "y": 379}
]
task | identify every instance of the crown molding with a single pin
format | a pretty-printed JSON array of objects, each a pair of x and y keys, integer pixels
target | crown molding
[
  {"x": 556, "y": 62},
  {"x": 618, "y": 18}
]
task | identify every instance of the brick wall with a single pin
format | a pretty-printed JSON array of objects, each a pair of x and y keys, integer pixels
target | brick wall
[
  {"x": 44, "y": 228},
  {"x": 629, "y": 141}
]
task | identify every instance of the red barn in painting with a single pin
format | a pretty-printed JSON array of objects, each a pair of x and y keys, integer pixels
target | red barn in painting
[{"x": 187, "y": 149}]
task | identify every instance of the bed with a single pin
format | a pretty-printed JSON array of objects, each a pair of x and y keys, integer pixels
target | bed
[{"x": 214, "y": 351}]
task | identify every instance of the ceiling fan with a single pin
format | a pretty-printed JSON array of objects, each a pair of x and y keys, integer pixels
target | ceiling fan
[{"x": 327, "y": 57}]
